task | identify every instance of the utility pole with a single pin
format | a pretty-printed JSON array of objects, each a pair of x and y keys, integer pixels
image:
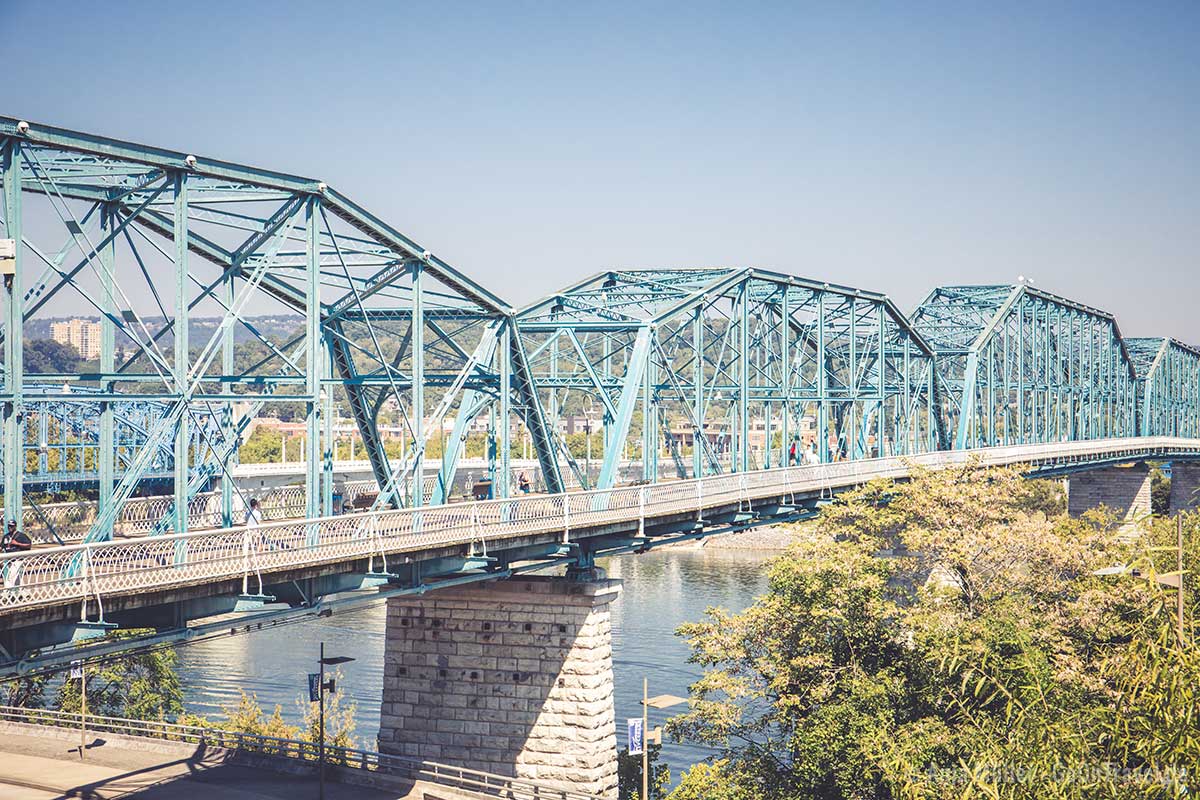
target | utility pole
[
  {"x": 323, "y": 687},
  {"x": 83, "y": 710},
  {"x": 645, "y": 739},
  {"x": 1179, "y": 567}
]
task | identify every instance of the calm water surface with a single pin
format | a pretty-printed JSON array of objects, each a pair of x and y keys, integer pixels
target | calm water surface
[{"x": 662, "y": 590}]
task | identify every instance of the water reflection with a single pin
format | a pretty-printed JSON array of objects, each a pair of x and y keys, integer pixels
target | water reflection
[{"x": 662, "y": 590}]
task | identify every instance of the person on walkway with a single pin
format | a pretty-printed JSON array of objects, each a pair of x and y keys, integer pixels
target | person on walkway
[
  {"x": 254, "y": 517},
  {"x": 523, "y": 483},
  {"x": 15, "y": 541}
]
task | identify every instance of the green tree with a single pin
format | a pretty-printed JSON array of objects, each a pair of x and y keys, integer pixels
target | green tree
[
  {"x": 48, "y": 356},
  {"x": 143, "y": 685},
  {"x": 950, "y": 638}
]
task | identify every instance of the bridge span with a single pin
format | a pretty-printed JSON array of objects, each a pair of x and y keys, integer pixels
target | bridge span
[
  {"x": 57, "y": 595},
  {"x": 724, "y": 374}
]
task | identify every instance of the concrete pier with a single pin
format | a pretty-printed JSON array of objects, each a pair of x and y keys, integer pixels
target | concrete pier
[
  {"x": 1185, "y": 486},
  {"x": 513, "y": 677},
  {"x": 1125, "y": 489}
]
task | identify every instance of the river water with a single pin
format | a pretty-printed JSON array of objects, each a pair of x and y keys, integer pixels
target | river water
[{"x": 662, "y": 590}]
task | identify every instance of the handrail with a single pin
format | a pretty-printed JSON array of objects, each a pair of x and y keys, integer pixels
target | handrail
[
  {"x": 365, "y": 760},
  {"x": 51, "y": 575}
]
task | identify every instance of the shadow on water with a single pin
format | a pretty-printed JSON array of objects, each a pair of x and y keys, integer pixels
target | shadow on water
[{"x": 662, "y": 590}]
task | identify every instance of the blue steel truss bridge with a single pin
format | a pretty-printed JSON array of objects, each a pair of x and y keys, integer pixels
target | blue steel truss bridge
[{"x": 710, "y": 398}]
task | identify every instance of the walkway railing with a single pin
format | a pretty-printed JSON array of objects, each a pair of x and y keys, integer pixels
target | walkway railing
[
  {"x": 92, "y": 572},
  {"x": 367, "y": 761},
  {"x": 72, "y": 520}
]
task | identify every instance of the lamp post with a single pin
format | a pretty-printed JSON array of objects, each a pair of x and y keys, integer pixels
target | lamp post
[
  {"x": 1172, "y": 580},
  {"x": 655, "y": 736},
  {"x": 322, "y": 687}
]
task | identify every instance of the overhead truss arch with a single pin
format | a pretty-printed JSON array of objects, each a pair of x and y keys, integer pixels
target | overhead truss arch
[{"x": 1021, "y": 366}]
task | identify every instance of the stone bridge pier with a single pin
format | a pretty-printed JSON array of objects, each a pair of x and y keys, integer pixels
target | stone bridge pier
[
  {"x": 1125, "y": 489},
  {"x": 1185, "y": 486},
  {"x": 512, "y": 677}
]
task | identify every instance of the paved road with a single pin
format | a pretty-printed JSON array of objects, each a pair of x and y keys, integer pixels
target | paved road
[{"x": 41, "y": 768}]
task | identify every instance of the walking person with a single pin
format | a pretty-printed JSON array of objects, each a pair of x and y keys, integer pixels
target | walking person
[
  {"x": 254, "y": 517},
  {"x": 15, "y": 541}
]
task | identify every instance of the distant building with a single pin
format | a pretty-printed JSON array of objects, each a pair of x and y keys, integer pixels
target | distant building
[{"x": 81, "y": 334}]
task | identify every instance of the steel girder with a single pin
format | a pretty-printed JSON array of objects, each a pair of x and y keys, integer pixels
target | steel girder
[
  {"x": 1168, "y": 386},
  {"x": 734, "y": 360},
  {"x": 151, "y": 239},
  {"x": 1021, "y": 366}
]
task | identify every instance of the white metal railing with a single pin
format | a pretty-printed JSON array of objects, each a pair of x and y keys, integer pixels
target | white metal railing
[
  {"x": 72, "y": 520},
  {"x": 90, "y": 572},
  {"x": 363, "y": 760}
]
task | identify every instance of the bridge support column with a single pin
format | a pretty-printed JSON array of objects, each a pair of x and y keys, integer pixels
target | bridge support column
[
  {"x": 1125, "y": 489},
  {"x": 513, "y": 678},
  {"x": 1185, "y": 486}
]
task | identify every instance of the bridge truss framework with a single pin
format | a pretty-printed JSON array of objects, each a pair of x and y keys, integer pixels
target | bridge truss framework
[{"x": 694, "y": 372}]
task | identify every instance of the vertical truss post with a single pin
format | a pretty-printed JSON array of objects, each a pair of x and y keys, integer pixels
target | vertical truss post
[
  {"x": 227, "y": 423},
  {"x": 698, "y": 392},
  {"x": 312, "y": 341},
  {"x": 822, "y": 383},
  {"x": 504, "y": 409},
  {"x": 14, "y": 319},
  {"x": 785, "y": 376},
  {"x": 649, "y": 419},
  {"x": 418, "y": 386},
  {"x": 182, "y": 353},
  {"x": 743, "y": 454},
  {"x": 106, "y": 454},
  {"x": 329, "y": 445},
  {"x": 881, "y": 361}
]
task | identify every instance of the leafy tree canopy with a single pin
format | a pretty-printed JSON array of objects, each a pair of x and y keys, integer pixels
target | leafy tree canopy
[{"x": 947, "y": 638}]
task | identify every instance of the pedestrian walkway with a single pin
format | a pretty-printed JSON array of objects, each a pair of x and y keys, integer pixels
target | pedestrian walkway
[{"x": 47, "y": 765}]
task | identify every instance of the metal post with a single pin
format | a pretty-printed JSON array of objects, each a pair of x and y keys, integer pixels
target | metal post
[
  {"x": 83, "y": 710},
  {"x": 698, "y": 389},
  {"x": 312, "y": 341},
  {"x": 505, "y": 415},
  {"x": 743, "y": 455},
  {"x": 106, "y": 455},
  {"x": 321, "y": 723},
  {"x": 822, "y": 384},
  {"x": 14, "y": 318},
  {"x": 1179, "y": 567},
  {"x": 328, "y": 449},
  {"x": 182, "y": 352},
  {"x": 418, "y": 387},
  {"x": 227, "y": 425},
  {"x": 645, "y": 739}
]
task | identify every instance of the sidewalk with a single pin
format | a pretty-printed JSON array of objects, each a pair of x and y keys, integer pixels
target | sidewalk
[{"x": 38, "y": 768}]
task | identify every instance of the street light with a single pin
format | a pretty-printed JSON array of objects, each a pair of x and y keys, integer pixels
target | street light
[
  {"x": 1173, "y": 580},
  {"x": 660, "y": 701},
  {"x": 322, "y": 687}
]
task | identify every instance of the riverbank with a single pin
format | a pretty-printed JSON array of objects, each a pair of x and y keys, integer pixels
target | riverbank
[{"x": 766, "y": 539}]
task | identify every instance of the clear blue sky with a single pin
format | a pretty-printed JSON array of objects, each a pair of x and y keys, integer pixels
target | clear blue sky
[{"x": 892, "y": 146}]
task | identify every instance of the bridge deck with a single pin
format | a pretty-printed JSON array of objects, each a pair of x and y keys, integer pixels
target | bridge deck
[{"x": 105, "y": 572}]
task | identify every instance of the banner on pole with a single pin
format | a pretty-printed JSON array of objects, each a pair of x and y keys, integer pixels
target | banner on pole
[
  {"x": 314, "y": 687},
  {"x": 636, "y": 736}
]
